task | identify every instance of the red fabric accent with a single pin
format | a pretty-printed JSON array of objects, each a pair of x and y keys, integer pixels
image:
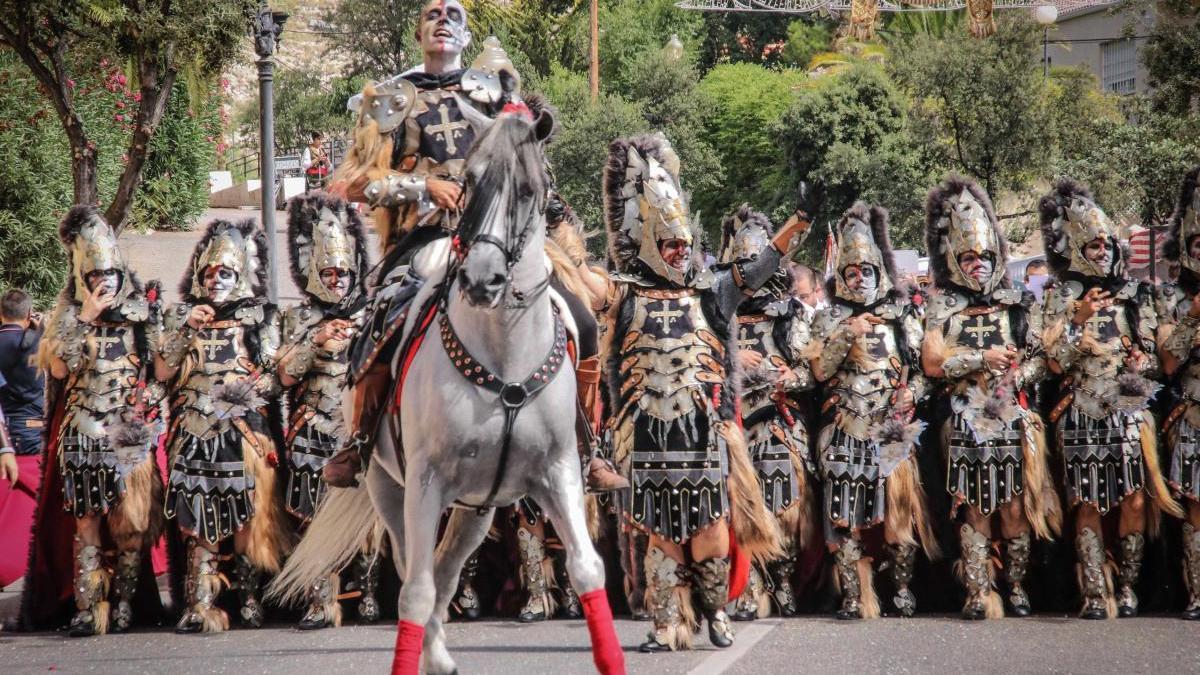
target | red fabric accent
[
  {"x": 17, "y": 503},
  {"x": 158, "y": 552},
  {"x": 739, "y": 568},
  {"x": 422, "y": 326},
  {"x": 1023, "y": 400},
  {"x": 407, "y": 657},
  {"x": 606, "y": 649},
  {"x": 518, "y": 108},
  {"x": 52, "y": 560}
]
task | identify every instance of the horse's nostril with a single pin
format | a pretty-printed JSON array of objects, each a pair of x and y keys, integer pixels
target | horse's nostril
[{"x": 497, "y": 280}]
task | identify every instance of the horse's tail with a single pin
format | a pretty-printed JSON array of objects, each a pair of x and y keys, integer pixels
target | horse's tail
[{"x": 344, "y": 520}]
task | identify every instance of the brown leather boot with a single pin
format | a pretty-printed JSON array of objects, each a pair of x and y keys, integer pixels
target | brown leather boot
[
  {"x": 601, "y": 475},
  {"x": 370, "y": 401}
]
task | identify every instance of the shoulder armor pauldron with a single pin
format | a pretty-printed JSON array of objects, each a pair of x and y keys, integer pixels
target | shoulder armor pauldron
[
  {"x": 135, "y": 309},
  {"x": 1129, "y": 290},
  {"x": 250, "y": 316},
  {"x": 1063, "y": 296},
  {"x": 1007, "y": 296},
  {"x": 826, "y": 320},
  {"x": 177, "y": 316},
  {"x": 391, "y": 104},
  {"x": 945, "y": 305},
  {"x": 889, "y": 311}
]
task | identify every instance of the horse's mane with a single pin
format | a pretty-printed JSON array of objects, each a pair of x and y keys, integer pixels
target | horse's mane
[{"x": 507, "y": 153}]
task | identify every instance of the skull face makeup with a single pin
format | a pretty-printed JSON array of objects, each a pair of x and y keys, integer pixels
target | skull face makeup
[
  {"x": 109, "y": 280},
  {"x": 862, "y": 281},
  {"x": 676, "y": 252},
  {"x": 442, "y": 29},
  {"x": 976, "y": 267},
  {"x": 219, "y": 282},
  {"x": 336, "y": 281}
]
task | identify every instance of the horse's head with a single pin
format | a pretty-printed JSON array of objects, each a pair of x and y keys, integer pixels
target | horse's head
[{"x": 506, "y": 194}]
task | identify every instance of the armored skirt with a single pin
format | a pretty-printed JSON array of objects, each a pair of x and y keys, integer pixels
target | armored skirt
[
  {"x": 210, "y": 491},
  {"x": 1103, "y": 458},
  {"x": 984, "y": 475},
  {"x": 308, "y": 452},
  {"x": 1183, "y": 475}
]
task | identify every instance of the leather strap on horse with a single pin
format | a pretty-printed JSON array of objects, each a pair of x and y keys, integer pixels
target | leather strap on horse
[{"x": 513, "y": 395}]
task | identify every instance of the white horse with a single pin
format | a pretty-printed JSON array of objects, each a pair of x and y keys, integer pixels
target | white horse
[{"x": 487, "y": 415}]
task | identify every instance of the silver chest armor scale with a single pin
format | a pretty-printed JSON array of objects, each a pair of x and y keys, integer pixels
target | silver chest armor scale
[
  {"x": 678, "y": 460},
  {"x": 97, "y": 395}
]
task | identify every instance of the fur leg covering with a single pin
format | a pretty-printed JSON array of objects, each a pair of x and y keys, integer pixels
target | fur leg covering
[
  {"x": 1133, "y": 549},
  {"x": 907, "y": 517},
  {"x": 669, "y": 601},
  {"x": 271, "y": 535},
  {"x": 537, "y": 575},
  {"x": 1041, "y": 502},
  {"x": 1160, "y": 500},
  {"x": 754, "y": 602},
  {"x": 137, "y": 521},
  {"x": 756, "y": 529},
  {"x": 1094, "y": 575},
  {"x": 1191, "y": 570},
  {"x": 855, "y": 581},
  {"x": 202, "y": 586},
  {"x": 977, "y": 573},
  {"x": 129, "y": 565},
  {"x": 92, "y": 581},
  {"x": 606, "y": 649},
  {"x": 344, "y": 519}
]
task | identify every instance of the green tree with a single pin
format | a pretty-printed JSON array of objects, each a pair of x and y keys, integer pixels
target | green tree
[
  {"x": 304, "y": 104},
  {"x": 749, "y": 101},
  {"x": 378, "y": 36},
  {"x": 806, "y": 39},
  {"x": 979, "y": 104},
  {"x": 1172, "y": 57},
  {"x": 54, "y": 38},
  {"x": 579, "y": 149},
  {"x": 848, "y": 135}
]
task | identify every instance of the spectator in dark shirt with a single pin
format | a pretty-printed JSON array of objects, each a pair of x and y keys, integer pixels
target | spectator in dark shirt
[{"x": 22, "y": 387}]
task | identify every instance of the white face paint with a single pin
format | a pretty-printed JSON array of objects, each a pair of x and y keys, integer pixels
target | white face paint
[
  {"x": 336, "y": 280},
  {"x": 109, "y": 280},
  {"x": 443, "y": 28},
  {"x": 219, "y": 282},
  {"x": 1100, "y": 252},
  {"x": 862, "y": 280}
]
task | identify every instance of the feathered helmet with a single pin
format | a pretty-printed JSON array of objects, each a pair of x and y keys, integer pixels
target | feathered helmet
[
  {"x": 1185, "y": 224},
  {"x": 92, "y": 244},
  {"x": 1070, "y": 221},
  {"x": 644, "y": 206},
  {"x": 959, "y": 219},
  {"x": 324, "y": 232},
  {"x": 744, "y": 234},
  {"x": 862, "y": 239},
  {"x": 239, "y": 246}
]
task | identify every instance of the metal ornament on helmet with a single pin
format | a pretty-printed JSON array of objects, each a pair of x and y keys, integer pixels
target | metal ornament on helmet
[
  {"x": 656, "y": 203},
  {"x": 857, "y": 246},
  {"x": 94, "y": 247},
  {"x": 1083, "y": 222},
  {"x": 970, "y": 230}
]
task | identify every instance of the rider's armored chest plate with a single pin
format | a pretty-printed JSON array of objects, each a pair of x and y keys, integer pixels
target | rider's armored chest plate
[
  {"x": 445, "y": 134},
  {"x": 980, "y": 328}
]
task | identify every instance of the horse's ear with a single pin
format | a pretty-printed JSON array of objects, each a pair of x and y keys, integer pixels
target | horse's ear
[{"x": 544, "y": 126}]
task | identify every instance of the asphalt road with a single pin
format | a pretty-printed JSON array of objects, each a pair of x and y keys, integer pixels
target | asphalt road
[{"x": 805, "y": 645}]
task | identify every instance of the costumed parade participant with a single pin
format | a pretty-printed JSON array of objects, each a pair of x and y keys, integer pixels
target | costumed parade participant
[
  {"x": 328, "y": 251},
  {"x": 410, "y": 145},
  {"x": 102, "y": 484},
  {"x": 983, "y": 346},
  {"x": 1179, "y": 314},
  {"x": 1100, "y": 335},
  {"x": 865, "y": 350},
  {"x": 772, "y": 335},
  {"x": 217, "y": 357},
  {"x": 669, "y": 361}
]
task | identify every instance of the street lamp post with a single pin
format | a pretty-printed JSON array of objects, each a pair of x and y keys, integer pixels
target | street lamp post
[
  {"x": 1046, "y": 15},
  {"x": 267, "y": 27}
]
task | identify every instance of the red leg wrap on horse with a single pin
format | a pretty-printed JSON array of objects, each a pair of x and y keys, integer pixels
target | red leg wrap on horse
[
  {"x": 606, "y": 650},
  {"x": 407, "y": 659}
]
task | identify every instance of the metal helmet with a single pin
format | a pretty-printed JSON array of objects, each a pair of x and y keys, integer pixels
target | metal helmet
[
  {"x": 1070, "y": 221},
  {"x": 862, "y": 240},
  {"x": 959, "y": 219},
  {"x": 238, "y": 246},
  {"x": 645, "y": 205},
  {"x": 323, "y": 233},
  {"x": 92, "y": 244},
  {"x": 1185, "y": 223}
]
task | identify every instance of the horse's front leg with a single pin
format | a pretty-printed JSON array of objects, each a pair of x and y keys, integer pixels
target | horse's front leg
[
  {"x": 424, "y": 502},
  {"x": 563, "y": 504},
  {"x": 464, "y": 533}
]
